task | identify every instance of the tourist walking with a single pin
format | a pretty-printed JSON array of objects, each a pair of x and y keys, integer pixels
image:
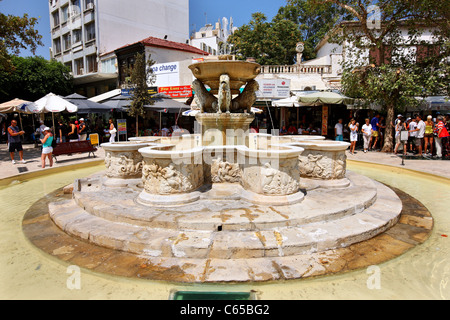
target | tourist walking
[
  {"x": 353, "y": 126},
  {"x": 47, "y": 149},
  {"x": 442, "y": 138},
  {"x": 367, "y": 134},
  {"x": 339, "y": 131},
  {"x": 375, "y": 122},
  {"x": 73, "y": 132},
  {"x": 429, "y": 135},
  {"x": 14, "y": 142},
  {"x": 112, "y": 131}
]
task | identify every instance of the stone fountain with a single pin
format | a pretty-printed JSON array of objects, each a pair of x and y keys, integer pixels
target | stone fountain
[{"x": 226, "y": 204}]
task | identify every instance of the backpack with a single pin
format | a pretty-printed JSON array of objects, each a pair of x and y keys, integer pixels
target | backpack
[{"x": 54, "y": 143}]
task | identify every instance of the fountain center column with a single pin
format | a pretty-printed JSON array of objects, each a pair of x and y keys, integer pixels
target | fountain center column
[{"x": 225, "y": 129}]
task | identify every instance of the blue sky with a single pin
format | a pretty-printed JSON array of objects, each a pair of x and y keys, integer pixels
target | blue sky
[{"x": 240, "y": 10}]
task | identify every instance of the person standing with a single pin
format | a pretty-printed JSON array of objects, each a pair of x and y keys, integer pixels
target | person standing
[
  {"x": 47, "y": 149},
  {"x": 399, "y": 127},
  {"x": 412, "y": 134},
  {"x": 82, "y": 130},
  {"x": 420, "y": 129},
  {"x": 73, "y": 133},
  {"x": 429, "y": 135},
  {"x": 112, "y": 131},
  {"x": 353, "y": 126},
  {"x": 367, "y": 133},
  {"x": 441, "y": 138},
  {"x": 339, "y": 131},
  {"x": 14, "y": 142}
]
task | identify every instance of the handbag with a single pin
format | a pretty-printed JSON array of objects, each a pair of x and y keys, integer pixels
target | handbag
[{"x": 112, "y": 131}]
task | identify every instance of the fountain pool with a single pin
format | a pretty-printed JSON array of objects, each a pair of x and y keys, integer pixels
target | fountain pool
[{"x": 421, "y": 273}]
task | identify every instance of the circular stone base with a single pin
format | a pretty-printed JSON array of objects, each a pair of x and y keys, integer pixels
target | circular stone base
[
  {"x": 413, "y": 227},
  {"x": 167, "y": 200}
]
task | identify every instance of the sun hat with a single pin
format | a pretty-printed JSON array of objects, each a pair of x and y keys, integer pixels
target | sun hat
[
  {"x": 81, "y": 119},
  {"x": 46, "y": 129}
]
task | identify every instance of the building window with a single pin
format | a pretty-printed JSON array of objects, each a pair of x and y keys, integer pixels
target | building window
[
  {"x": 57, "y": 45},
  {"x": 55, "y": 16},
  {"x": 109, "y": 66},
  {"x": 92, "y": 64},
  {"x": 79, "y": 66},
  {"x": 65, "y": 14},
  {"x": 90, "y": 32},
  {"x": 67, "y": 41},
  {"x": 76, "y": 36}
]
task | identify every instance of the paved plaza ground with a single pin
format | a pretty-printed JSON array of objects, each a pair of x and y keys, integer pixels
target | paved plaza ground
[{"x": 33, "y": 162}]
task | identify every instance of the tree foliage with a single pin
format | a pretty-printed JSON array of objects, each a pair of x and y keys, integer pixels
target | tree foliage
[
  {"x": 270, "y": 43},
  {"x": 392, "y": 64},
  {"x": 17, "y": 33},
  {"x": 33, "y": 78},
  {"x": 140, "y": 76}
]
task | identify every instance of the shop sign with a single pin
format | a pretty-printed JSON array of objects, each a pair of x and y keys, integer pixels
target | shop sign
[
  {"x": 167, "y": 74},
  {"x": 177, "y": 91},
  {"x": 274, "y": 88},
  {"x": 122, "y": 126}
]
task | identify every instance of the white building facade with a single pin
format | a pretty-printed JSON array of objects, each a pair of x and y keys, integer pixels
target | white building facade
[
  {"x": 85, "y": 34},
  {"x": 213, "y": 38}
]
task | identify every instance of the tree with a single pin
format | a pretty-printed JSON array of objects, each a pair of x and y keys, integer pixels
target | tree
[
  {"x": 141, "y": 76},
  {"x": 33, "y": 78},
  {"x": 17, "y": 33},
  {"x": 314, "y": 21},
  {"x": 380, "y": 64},
  {"x": 270, "y": 43}
]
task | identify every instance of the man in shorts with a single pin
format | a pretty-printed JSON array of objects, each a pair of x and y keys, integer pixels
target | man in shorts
[
  {"x": 15, "y": 144},
  {"x": 375, "y": 122}
]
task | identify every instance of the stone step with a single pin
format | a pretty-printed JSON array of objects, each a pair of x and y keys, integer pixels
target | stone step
[
  {"x": 230, "y": 244},
  {"x": 237, "y": 215}
]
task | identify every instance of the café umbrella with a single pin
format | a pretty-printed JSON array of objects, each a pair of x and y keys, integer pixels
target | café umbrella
[
  {"x": 52, "y": 103},
  {"x": 15, "y": 105}
]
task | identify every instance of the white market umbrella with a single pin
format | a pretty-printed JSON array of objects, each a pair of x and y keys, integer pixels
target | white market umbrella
[
  {"x": 52, "y": 103},
  {"x": 288, "y": 102},
  {"x": 190, "y": 113}
]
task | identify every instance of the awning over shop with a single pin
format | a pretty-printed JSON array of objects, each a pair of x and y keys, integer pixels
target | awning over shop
[{"x": 324, "y": 97}]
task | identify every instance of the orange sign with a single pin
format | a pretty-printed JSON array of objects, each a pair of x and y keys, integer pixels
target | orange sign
[{"x": 176, "y": 92}]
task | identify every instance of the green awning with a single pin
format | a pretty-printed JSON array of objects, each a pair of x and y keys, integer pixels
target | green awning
[{"x": 324, "y": 97}]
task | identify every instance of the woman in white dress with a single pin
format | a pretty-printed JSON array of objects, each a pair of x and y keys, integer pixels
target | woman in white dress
[
  {"x": 353, "y": 126},
  {"x": 112, "y": 131}
]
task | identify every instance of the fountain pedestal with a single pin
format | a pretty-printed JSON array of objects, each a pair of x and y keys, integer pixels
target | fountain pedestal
[{"x": 225, "y": 129}]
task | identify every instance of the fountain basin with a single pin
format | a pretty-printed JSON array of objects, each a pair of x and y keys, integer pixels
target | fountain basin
[
  {"x": 240, "y": 72},
  {"x": 123, "y": 163}
]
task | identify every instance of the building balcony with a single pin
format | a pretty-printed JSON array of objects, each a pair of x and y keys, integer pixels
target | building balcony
[{"x": 296, "y": 69}]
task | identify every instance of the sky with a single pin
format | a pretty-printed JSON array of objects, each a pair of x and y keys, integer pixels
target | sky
[{"x": 201, "y": 12}]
